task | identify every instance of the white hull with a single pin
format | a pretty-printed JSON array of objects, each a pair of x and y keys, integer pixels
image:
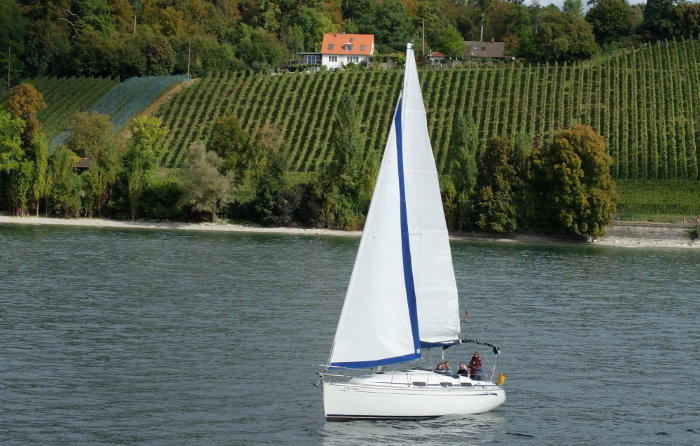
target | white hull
[{"x": 413, "y": 394}]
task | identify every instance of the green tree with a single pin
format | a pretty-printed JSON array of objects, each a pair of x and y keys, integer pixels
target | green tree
[
  {"x": 495, "y": 200},
  {"x": 231, "y": 142},
  {"x": 610, "y": 20},
  {"x": 344, "y": 187},
  {"x": 522, "y": 190},
  {"x": 160, "y": 56},
  {"x": 12, "y": 31},
  {"x": 65, "y": 183},
  {"x": 21, "y": 180},
  {"x": 563, "y": 37},
  {"x": 205, "y": 189},
  {"x": 90, "y": 133},
  {"x": 660, "y": 18},
  {"x": 430, "y": 18},
  {"x": 47, "y": 49},
  {"x": 574, "y": 7},
  {"x": 42, "y": 186},
  {"x": 688, "y": 19},
  {"x": 451, "y": 42},
  {"x": 462, "y": 171},
  {"x": 145, "y": 150},
  {"x": 390, "y": 23},
  {"x": 573, "y": 182},
  {"x": 273, "y": 203},
  {"x": 11, "y": 129}
]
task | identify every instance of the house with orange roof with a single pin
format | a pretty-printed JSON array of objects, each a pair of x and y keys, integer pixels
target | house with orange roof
[{"x": 339, "y": 50}]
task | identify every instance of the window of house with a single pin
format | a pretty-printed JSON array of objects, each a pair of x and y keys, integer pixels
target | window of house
[
  {"x": 348, "y": 47},
  {"x": 330, "y": 46},
  {"x": 332, "y": 58},
  {"x": 476, "y": 48},
  {"x": 483, "y": 48},
  {"x": 353, "y": 59},
  {"x": 363, "y": 47}
]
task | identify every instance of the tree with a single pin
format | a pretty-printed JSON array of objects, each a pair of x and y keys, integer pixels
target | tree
[
  {"x": 21, "y": 180},
  {"x": 145, "y": 150},
  {"x": 65, "y": 183},
  {"x": 688, "y": 19},
  {"x": 610, "y": 20},
  {"x": 495, "y": 201},
  {"x": 11, "y": 129},
  {"x": 574, "y": 7},
  {"x": 231, "y": 142},
  {"x": 42, "y": 185},
  {"x": 205, "y": 189},
  {"x": 344, "y": 187},
  {"x": 160, "y": 56},
  {"x": 659, "y": 18},
  {"x": 47, "y": 49},
  {"x": 462, "y": 171},
  {"x": 451, "y": 42},
  {"x": 90, "y": 133},
  {"x": 563, "y": 37},
  {"x": 11, "y": 37},
  {"x": 390, "y": 23},
  {"x": 430, "y": 18},
  {"x": 522, "y": 190},
  {"x": 26, "y": 101},
  {"x": 573, "y": 182},
  {"x": 273, "y": 203}
]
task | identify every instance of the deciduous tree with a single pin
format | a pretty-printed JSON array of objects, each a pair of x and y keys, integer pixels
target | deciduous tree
[
  {"x": 65, "y": 183},
  {"x": 462, "y": 172},
  {"x": 610, "y": 20},
  {"x": 145, "y": 150},
  {"x": 573, "y": 182},
  {"x": 90, "y": 134},
  {"x": 495, "y": 201},
  {"x": 205, "y": 188},
  {"x": 26, "y": 101}
]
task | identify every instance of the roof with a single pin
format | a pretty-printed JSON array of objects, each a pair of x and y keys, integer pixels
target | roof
[
  {"x": 483, "y": 49},
  {"x": 437, "y": 55},
  {"x": 351, "y": 44}
]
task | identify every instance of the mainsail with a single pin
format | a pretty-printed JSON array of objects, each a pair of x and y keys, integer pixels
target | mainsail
[{"x": 402, "y": 294}]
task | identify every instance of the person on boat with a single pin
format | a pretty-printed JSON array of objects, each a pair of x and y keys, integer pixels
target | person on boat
[
  {"x": 475, "y": 371},
  {"x": 462, "y": 369},
  {"x": 444, "y": 368}
]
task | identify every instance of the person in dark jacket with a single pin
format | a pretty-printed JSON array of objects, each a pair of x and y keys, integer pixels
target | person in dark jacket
[
  {"x": 462, "y": 369},
  {"x": 475, "y": 371}
]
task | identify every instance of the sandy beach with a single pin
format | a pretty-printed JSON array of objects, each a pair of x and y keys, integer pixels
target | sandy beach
[{"x": 632, "y": 241}]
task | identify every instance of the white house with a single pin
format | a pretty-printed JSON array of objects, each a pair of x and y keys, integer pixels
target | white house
[{"x": 339, "y": 50}]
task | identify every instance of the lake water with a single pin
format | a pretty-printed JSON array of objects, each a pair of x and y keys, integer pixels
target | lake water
[{"x": 162, "y": 337}]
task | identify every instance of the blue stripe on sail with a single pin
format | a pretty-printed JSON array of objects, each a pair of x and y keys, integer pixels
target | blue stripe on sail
[
  {"x": 405, "y": 242},
  {"x": 368, "y": 364}
]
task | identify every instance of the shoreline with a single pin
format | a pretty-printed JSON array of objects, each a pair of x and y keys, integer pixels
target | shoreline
[{"x": 627, "y": 241}]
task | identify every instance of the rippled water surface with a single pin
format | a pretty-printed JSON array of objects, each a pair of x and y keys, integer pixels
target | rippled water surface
[{"x": 162, "y": 337}]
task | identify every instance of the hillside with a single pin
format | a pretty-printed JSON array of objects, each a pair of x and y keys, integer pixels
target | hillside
[{"x": 645, "y": 102}]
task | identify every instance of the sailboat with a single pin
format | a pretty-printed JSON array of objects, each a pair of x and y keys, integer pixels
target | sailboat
[{"x": 402, "y": 297}]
